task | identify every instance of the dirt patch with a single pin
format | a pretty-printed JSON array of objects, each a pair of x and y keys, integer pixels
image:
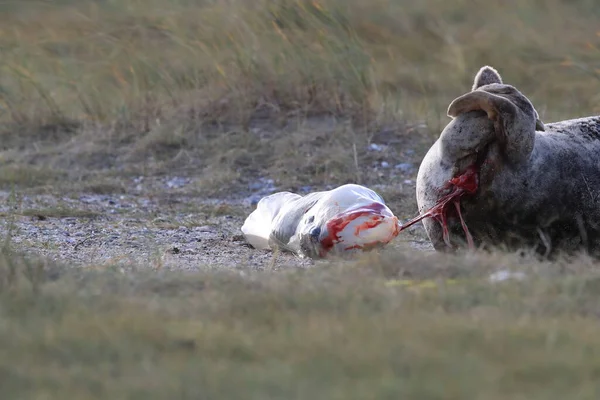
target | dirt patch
[
  {"x": 173, "y": 230},
  {"x": 183, "y": 209}
]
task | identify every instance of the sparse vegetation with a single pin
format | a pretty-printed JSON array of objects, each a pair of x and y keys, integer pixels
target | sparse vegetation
[
  {"x": 58, "y": 212},
  {"x": 111, "y": 98}
]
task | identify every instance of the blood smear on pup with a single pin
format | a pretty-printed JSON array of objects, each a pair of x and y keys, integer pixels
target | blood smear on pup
[
  {"x": 342, "y": 220},
  {"x": 362, "y": 228}
]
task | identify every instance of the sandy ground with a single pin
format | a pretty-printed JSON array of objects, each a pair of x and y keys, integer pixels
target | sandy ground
[
  {"x": 168, "y": 221},
  {"x": 174, "y": 230}
]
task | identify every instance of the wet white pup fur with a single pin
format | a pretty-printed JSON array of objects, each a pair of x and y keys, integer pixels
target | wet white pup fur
[{"x": 298, "y": 224}]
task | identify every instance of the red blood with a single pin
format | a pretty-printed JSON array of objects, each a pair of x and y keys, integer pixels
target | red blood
[
  {"x": 466, "y": 183},
  {"x": 339, "y": 223},
  {"x": 372, "y": 223}
]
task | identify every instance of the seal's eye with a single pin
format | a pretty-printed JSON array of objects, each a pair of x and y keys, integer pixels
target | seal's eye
[{"x": 315, "y": 233}]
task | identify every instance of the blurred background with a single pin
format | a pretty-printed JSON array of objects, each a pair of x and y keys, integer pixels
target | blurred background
[{"x": 138, "y": 81}]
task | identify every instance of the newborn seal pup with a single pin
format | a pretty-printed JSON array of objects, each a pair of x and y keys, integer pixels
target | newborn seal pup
[
  {"x": 341, "y": 221},
  {"x": 498, "y": 176}
]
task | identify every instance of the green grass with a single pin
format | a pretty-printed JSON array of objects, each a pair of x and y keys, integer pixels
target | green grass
[{"x": 334, "y": 332}]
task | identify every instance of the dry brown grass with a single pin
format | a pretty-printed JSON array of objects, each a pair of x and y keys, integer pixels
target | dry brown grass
[
  {"x": 164, "y": 84},
  {"x": 135, "y": 62}
]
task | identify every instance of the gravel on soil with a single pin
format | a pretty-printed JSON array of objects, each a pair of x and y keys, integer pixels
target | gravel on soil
[{"x": 176, "y": 230}]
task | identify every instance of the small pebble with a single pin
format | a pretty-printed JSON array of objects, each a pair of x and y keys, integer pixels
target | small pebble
[
  {"x": 504, "y": 274},
  {"x": 404, "y": 167},
  {"x": 376, "y": 147}
]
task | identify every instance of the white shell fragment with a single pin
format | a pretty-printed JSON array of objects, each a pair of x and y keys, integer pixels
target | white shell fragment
[{"x": 348, "y": 218}]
